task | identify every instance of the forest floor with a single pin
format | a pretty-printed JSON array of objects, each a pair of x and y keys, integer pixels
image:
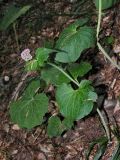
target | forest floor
[{"x": 45, "y": 22}]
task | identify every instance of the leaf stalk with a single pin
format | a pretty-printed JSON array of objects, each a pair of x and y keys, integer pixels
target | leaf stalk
[
  {"x": 67, "y": 75},
  {"x": 97, "y": 35},
  {"x": 104, "y": 123}
]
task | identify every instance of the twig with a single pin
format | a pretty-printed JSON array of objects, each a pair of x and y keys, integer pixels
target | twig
[
  {"x": 16, "y": 37},
  {"x": 17, "y": 89}
]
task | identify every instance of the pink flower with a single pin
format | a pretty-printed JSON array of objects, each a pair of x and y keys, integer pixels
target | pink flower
[{"x": 25, "y": 55}]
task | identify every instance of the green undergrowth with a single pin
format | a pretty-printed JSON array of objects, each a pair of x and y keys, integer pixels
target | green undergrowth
[
  {"x": 58, "y": 66},
  {"x": 61, "y": 66}
]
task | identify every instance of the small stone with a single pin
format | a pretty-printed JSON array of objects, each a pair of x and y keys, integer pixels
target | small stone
[
  {"x": 6, "y": 78},
  {"x": 15, "y": 127}
]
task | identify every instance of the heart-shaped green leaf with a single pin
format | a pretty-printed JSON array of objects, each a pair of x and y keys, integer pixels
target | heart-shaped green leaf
[
  {"x": 11, "y": 15},
  {"x": 42, "y": 55},
  {"x": 55, "y": 127},
  {"x": 79, "y": 69},
  {"x": 105, "y": 3},
  {"x": 31, "y": 89},
  {"x": 53, "y": 76},
  {"x": 28, "y": 113},
  {"x": 73, "y": 40},
  {"x": 76, "y": 104}
]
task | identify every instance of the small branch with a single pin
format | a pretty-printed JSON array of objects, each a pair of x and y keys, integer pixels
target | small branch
[
  {"x": 16, "y": 37},
  {"x": 15, "y": 94}
]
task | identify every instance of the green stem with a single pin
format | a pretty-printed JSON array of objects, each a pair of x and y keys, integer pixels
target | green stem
[
  {"x": 99, "y": 19},
  {"x": 16, "y": 37},
  {"x": 97, "y": 35},
  {"x": 61, "y": 70},
  {"x": 107, "y": 56},
  {"x": 104, "y": 123}
]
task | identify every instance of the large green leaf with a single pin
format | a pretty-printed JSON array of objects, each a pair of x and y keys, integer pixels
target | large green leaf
[
  {"x": 55, "y": 127},
  {"x": 42, "y": 55},
  {"x": 31, "y": 89},
  {"x": 75, "y": 104},
  {"x": 105, "y": 3},
  {"x": 79, "y": 69},
  {"x": 29, "y": 112},
  {"x": 53, "y": 76},
  {"x": 11, "y": 15},
  {"x": 73, "y": 40}
]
